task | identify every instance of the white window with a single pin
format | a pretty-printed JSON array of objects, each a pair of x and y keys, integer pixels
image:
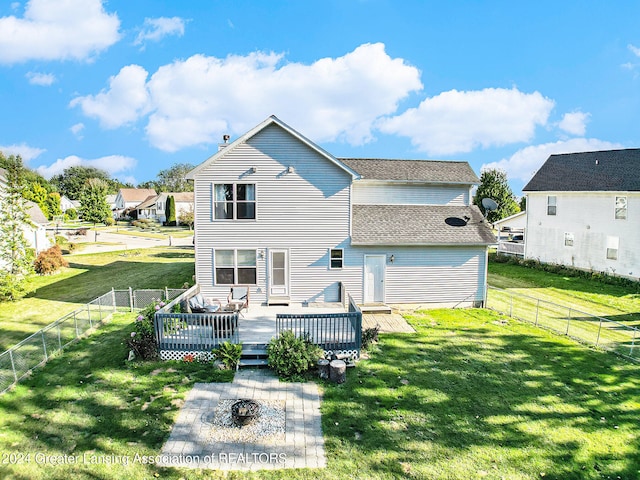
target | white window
[
  {"x": 612, "y": 248},
  {"x": 235, "y": 267},
  {"x": 568, "y": 239},
  {"x": 621, "y": 208},
  {"x": 235, "y": 201},
  {"x": 337, "y": 258},
  {"x": 551, "y": 205}
]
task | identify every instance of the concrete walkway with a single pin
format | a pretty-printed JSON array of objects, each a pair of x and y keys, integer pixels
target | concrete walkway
[{"x": 190, "y": 444}]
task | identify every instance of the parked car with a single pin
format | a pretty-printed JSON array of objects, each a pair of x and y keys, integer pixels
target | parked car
[{"x": 517, "y": 238}]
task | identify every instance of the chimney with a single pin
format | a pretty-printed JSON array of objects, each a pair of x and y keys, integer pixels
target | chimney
[{"x": 225, "y": 138}]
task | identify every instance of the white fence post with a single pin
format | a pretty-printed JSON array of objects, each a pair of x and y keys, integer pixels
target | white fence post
[
  {"x": 44, "y": 346},
  {"x": 599, "y": 328},
  {"x": 633, "y": 341},
  {"x": 13, "y": 366},
  {"x": 131, "y": 298}
]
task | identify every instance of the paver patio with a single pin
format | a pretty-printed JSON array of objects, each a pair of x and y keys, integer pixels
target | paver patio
[{"x": 190, "y": 444}]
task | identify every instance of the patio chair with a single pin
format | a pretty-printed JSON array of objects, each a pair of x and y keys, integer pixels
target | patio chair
[
  {"x": 199, "y": 304},
  {"x": 238, "y": 299}
]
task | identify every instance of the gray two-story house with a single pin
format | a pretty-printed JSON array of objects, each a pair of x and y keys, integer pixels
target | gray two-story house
[{"x": 278, "y": 213}]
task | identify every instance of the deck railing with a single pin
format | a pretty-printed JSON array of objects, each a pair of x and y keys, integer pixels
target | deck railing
[
  {"x": 333, "y": 332},
  {"x": 195, "y": 332}
]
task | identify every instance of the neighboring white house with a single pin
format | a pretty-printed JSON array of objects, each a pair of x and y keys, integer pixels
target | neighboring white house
[
  {"x": 36, "y": 233},
  {"x": 129, "y": 198},
  {"x": 583, "y": 210},
  {"x": 66, "y": 203},
  {"x": 278, "y": 213},
  {"x": 154, "y": 206},
  {"x": 511, "y": 233}
]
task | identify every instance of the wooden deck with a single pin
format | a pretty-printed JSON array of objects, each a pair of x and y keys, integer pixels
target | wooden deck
[{"x": 389, "y": 323}]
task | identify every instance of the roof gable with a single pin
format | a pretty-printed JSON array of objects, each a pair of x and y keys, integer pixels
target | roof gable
[
  {"x": 272, "y": 120},
  {"x": 418, "y": 171},
  {"x": 608, "y": 170}
]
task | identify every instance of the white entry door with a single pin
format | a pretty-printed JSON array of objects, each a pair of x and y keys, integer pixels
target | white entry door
[
  {"x": 278, "y": 273},
  {"x": 374, "y": 278}
]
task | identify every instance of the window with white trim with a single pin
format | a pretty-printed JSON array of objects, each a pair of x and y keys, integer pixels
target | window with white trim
[
  {"x": 621, "y": 208},
  {"x": 336, "y": 256},
  {"x": 235, "y": 267},
  {"x": 234, "y": 201},
  {"x": 612, "y": 248},
  {"x": 551, "y": 205},
  {"x": 568, "y": 239}
]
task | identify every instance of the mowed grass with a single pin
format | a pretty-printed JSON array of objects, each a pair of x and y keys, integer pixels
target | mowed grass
[
  {"x": 588, "y": 295},
  {"x": 470, "y": 395},
  {"x": 87, "y": 277},
  {"x": 474, "y": 395},
  {"x": 92, "y": 405}
]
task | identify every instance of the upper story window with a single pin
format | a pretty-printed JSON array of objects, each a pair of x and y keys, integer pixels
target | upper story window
[
  {"x": 235, "y": 201},
  {"x": 621, "y": 208},
  {"x": 551, "y": 205}
]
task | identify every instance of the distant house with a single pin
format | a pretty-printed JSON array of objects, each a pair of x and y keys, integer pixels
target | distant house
[
  {"x": 276, "y": 212},
  {"x": 511, "y": 233},
  {"x": 154, "y": 206},
  {"x": 583, "y": 210},
  {"x": 128, "y": 198},
  {"x": 66, "y": 203},
  {"x": 111, "y": 201}
]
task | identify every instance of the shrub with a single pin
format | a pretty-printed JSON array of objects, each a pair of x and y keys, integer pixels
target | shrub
[
  {"x": 369, "y": 336},
  {"x": 71, "y": 213},
  {"x": 229, "y": 354},
  {"x": 291, "y": 356},
  {"x": 109, "y": 222},
  {"x": 12, "y": 287},
  {"x": 143, "y": 340},
  {"x": 50, "y": 261}
]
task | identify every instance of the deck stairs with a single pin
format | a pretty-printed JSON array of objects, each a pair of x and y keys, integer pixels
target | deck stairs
[{"x": 254, "y": 355}]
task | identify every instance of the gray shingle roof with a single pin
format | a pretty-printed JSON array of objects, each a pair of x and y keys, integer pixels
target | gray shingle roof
[
  {"x": 419, "y": 225},
  {"x": 427, "y": 171},
  {"x": 609, "y": 170}
]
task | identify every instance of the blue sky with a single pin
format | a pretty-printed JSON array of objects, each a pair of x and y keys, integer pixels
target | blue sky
[{"x": 134, "y": 87}]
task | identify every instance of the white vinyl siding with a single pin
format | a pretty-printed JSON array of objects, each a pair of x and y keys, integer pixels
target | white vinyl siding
[
  {"x": 402, "y": 194},
  {"x": 590, "y": 217}
]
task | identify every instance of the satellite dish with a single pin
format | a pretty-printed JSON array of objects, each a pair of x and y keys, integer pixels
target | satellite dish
[{"x": 489, "y": 204}]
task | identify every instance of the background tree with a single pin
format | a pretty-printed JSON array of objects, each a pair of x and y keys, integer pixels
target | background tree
[
  {"x": 15, "y": 254},
  {"x": 523, "y": 203},
  {"x": 170, "y": 211},
  {"x": 53, "y": 204},
  {"x": 72, "y": 180},
  {"x": 93, "y": 201},
  {"x": 186, "y": 217},
  {"x": 172, "y": 179},
  {"x": 494, "y": 185},
  {"x": 37, "y": 194}
]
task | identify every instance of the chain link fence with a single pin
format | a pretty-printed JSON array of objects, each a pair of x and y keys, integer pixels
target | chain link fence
[
  {"x": 584, "y": 327},
  {"x": 36, "y": 349}
]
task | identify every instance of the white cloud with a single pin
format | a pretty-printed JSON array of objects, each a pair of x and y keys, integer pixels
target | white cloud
[
  {"x": 524, "y": 163},
  {"x": 633, "y": 49},
  {"x": 25, "y": 151},
  {"x": 114, "y": 164},
  {"x": 574, "y": 123},
  {"x": 77, "y": 130},
  {"x": 155, "y": 29},
  {"x": 57, "y": 30},
  {"x": 459, "y": 122},
  {"x": 42, "y": 79},
  {"x": 125, "y": 102},
  {"x": 195, "y": 101}
]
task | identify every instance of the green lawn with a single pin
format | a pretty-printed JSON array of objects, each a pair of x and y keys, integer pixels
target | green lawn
[
  {"x": 88, "y": 277},
  {"x": 469, "y": 395},
  {"x": 591, "y": 296}
]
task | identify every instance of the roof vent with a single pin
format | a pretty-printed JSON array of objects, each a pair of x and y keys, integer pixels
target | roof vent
[
  {"x": 225, "y": 139},
  {"x": 597, "y": 162}
]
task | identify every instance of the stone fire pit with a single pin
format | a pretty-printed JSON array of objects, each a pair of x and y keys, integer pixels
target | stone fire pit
[{"x": 244, "y": 412}]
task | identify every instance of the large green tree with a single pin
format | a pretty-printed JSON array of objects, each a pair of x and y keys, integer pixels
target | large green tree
[
  {"x": 93, "y": 201},
  {"x": 15, "y": 255},
  {"x": 494, "y": 185},
  {"x": 172, "y": 179},
  {"x": 72, "y": 180}
]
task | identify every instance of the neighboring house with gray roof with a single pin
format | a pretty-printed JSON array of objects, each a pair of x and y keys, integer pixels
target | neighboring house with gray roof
[
  {"x": 276, "y": 212},
  {"x": 583, "y": 211},
  {"x": 155, "y": 205}
]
